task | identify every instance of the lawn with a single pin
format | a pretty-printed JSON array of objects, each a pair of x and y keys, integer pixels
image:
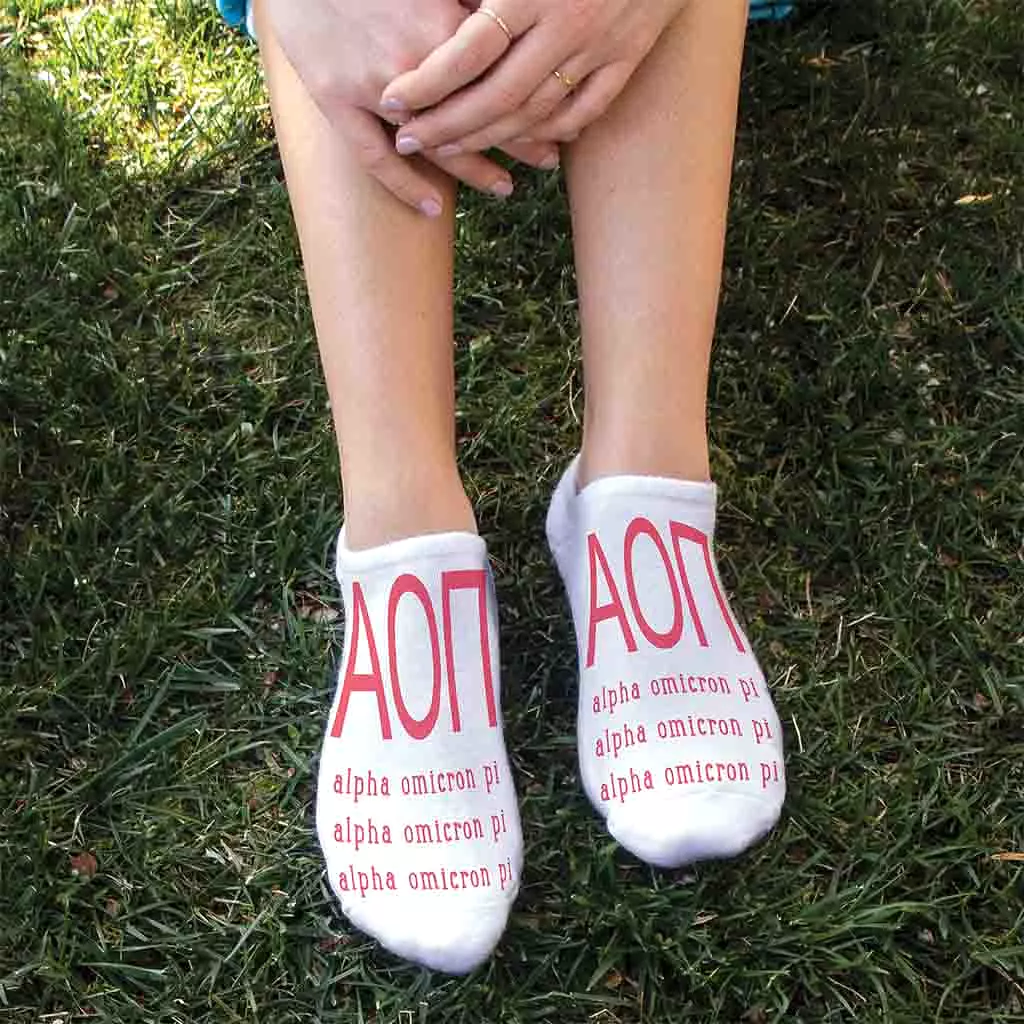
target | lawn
[{"x": 169, "y": 499}]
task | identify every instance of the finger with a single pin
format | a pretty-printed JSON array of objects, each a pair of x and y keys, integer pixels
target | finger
[
  {"x": 589, "y": 103},
  {"x": 476, "y": 171},
  {"x": 542, "y": 155},
  {"x": 540, "y": 107},
  {"x": 477, "y": 44},
  {"x": 370, "y": 144},
  {"x": 528, "y": 65}
]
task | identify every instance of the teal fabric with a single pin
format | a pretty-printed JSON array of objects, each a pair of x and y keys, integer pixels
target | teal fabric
[
  {"x": 762, "y": 10},
  {"x": 233, "y": 11}
]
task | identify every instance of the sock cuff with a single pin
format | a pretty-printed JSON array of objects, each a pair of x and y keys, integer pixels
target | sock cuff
[
  {"x": 467, "y": 547},
  {"x": 559, "y": 517},
  {"x": 568, "y": 500},
  {"x": 703, "y": 493}
]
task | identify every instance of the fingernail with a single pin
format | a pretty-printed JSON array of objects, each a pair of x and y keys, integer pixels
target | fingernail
[
  {"x": 451, "y": 149},
  {"x": 408, "y": 144},
  {"x": 431, "y": 208},
  {"x": 550, "y": 162},
  {"x": 394, "y": 104},
  {"x": 502, "y": 188}
]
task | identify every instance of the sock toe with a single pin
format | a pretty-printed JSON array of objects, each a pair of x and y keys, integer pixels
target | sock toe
[
  {"x": 461, "y": 941},
  {"x": 455, "y": 942},
  {"x": 705, "y": 826}
]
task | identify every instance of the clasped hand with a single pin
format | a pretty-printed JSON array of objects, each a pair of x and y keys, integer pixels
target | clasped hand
[{"x": 462, "y": 78}]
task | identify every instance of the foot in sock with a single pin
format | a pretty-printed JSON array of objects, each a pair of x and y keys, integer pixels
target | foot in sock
[
  {"x": 680, "y": 747},
  {"x": 416, "y": 808}
]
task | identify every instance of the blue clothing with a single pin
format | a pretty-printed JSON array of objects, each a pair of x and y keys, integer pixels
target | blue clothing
[
  {"x": 765, "y": 9},
  {"x": 233, "y": 11}
]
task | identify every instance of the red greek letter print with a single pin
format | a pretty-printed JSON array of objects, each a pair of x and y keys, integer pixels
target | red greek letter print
[
  {"x": 468, "y": 579},
  {"x": 667, "y": 640},
  {"x": 681, "y": 532},
  {"x": 409, "y": 584},
  {"x": 370, "y": 682},
  {"x": 614, "y": 609}
]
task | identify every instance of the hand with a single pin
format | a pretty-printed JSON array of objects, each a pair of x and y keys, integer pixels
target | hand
[
  {"x": 346, "y": 51},
  {"x": 555, "y": 45}
]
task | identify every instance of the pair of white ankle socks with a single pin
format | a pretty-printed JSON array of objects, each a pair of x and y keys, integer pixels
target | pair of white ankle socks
[{"x": 680, "y": 748}]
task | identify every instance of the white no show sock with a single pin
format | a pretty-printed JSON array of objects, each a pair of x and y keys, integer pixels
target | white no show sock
[
  {"x": 416, "y": 808},
  {"x": 680, "y": 747}
]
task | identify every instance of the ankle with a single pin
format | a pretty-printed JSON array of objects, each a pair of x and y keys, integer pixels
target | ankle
[
  {"x": 395, "y": 506},
  {"x": 679, "y": 459}
]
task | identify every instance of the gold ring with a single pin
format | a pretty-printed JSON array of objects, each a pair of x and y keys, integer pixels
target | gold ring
[
  {"x": 498, "y": 20},
  {"x": 569, "y": 82}
]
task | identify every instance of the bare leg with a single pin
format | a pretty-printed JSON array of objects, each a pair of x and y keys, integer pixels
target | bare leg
[
  {"x": 649, "y": 186},
  {"x": 380, "y": 283}
]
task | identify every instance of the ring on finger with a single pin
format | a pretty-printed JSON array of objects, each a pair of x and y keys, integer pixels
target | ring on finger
[
  {"x": 567, "y": 80},
  {"x": 497, "y": 19}
]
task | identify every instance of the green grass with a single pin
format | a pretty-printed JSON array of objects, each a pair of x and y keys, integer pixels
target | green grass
[{"x": 168, "y": 499}]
